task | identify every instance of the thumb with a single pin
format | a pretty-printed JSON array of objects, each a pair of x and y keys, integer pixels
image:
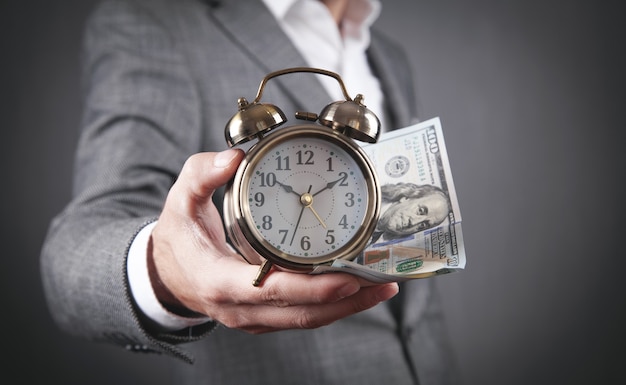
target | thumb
[
  {"x": 225, "y": 164},
  {"x": 204, "y": 172}
]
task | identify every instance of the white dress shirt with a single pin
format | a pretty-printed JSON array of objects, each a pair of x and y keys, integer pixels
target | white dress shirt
[{"x": 340, "y": 49}]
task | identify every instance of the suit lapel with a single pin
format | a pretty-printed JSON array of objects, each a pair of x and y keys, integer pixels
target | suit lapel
[{"x": 400, "y": 102}]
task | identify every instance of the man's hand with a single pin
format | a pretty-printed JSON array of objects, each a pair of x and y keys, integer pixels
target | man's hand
[{"x": 193, "y": 268}]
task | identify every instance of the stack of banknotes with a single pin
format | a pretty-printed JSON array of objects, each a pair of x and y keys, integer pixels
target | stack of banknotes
[{"x": 418, "y": 234}]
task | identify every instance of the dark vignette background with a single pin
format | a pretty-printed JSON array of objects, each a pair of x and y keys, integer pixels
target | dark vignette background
[{"x": 531, "y": 97}]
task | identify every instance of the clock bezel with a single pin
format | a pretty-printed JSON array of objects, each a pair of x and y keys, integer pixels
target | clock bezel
[{"x": 237, "y": 216}]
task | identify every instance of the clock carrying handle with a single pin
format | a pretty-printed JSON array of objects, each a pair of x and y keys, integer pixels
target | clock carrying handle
[
  {"x": 301, "y": 69},
  {"x": 350, "y": 117}
]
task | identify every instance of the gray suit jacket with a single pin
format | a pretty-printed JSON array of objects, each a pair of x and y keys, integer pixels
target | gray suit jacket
[{"x": 162, "y": 77}]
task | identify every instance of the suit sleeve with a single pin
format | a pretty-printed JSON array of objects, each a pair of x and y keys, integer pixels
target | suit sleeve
[{"x": 141, "y": 121}]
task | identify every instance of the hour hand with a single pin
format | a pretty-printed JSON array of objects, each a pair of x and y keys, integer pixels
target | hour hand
[{"x": 287, "y": 188}]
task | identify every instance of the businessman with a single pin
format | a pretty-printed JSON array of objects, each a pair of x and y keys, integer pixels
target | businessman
[{"x": 139, "y": 258}]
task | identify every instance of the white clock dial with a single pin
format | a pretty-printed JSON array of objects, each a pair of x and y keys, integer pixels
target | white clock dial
[{"x": 306, "y": 197}]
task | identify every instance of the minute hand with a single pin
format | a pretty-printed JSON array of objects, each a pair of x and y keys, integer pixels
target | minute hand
[
  {"x": 295, "y": 229},
  {"x": 329, "y": 185}
]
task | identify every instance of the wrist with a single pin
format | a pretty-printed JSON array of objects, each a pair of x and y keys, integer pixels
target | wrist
[
  {"x": 164, "y": 295},
  {"x": 143, "y": 293}
]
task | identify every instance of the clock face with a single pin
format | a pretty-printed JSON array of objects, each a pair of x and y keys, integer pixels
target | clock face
[{"x": 307, "y": 198}]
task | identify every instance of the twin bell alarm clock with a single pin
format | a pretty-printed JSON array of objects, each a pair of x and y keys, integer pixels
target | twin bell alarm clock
[{"x": 304, "y": 195}]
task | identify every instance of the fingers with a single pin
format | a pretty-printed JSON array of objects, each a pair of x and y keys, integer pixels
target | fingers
[
  {"x": 279, "y": 288},
  {"x": 313, "y": 316},
  {"x": 267, "y": 318},
  {"x": 290, "y": 300}
]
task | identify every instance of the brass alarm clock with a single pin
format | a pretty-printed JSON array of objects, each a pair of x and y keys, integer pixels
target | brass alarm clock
[{"x": 304, "y": 195}]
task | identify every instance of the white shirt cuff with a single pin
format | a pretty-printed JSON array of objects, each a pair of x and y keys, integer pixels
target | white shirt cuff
[{"x": 141, "y": 287}]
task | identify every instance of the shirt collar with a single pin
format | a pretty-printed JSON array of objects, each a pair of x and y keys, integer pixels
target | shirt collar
[
  {"x": 359, "y": 14},
  {"x": 279, "y": 8}
]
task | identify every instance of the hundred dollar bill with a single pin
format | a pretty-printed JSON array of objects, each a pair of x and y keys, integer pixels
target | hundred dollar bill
[{"x": 419, "y": 231}]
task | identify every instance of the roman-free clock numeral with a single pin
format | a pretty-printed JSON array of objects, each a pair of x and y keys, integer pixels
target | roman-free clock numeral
[{"x": 307, "y": 156}]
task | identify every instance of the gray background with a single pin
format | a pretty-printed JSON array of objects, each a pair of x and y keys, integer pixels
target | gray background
[{"x": 530, "y": 94}]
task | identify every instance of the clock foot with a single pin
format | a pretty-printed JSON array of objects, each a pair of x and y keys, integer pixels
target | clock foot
[{"x": 263, "y": 270}]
